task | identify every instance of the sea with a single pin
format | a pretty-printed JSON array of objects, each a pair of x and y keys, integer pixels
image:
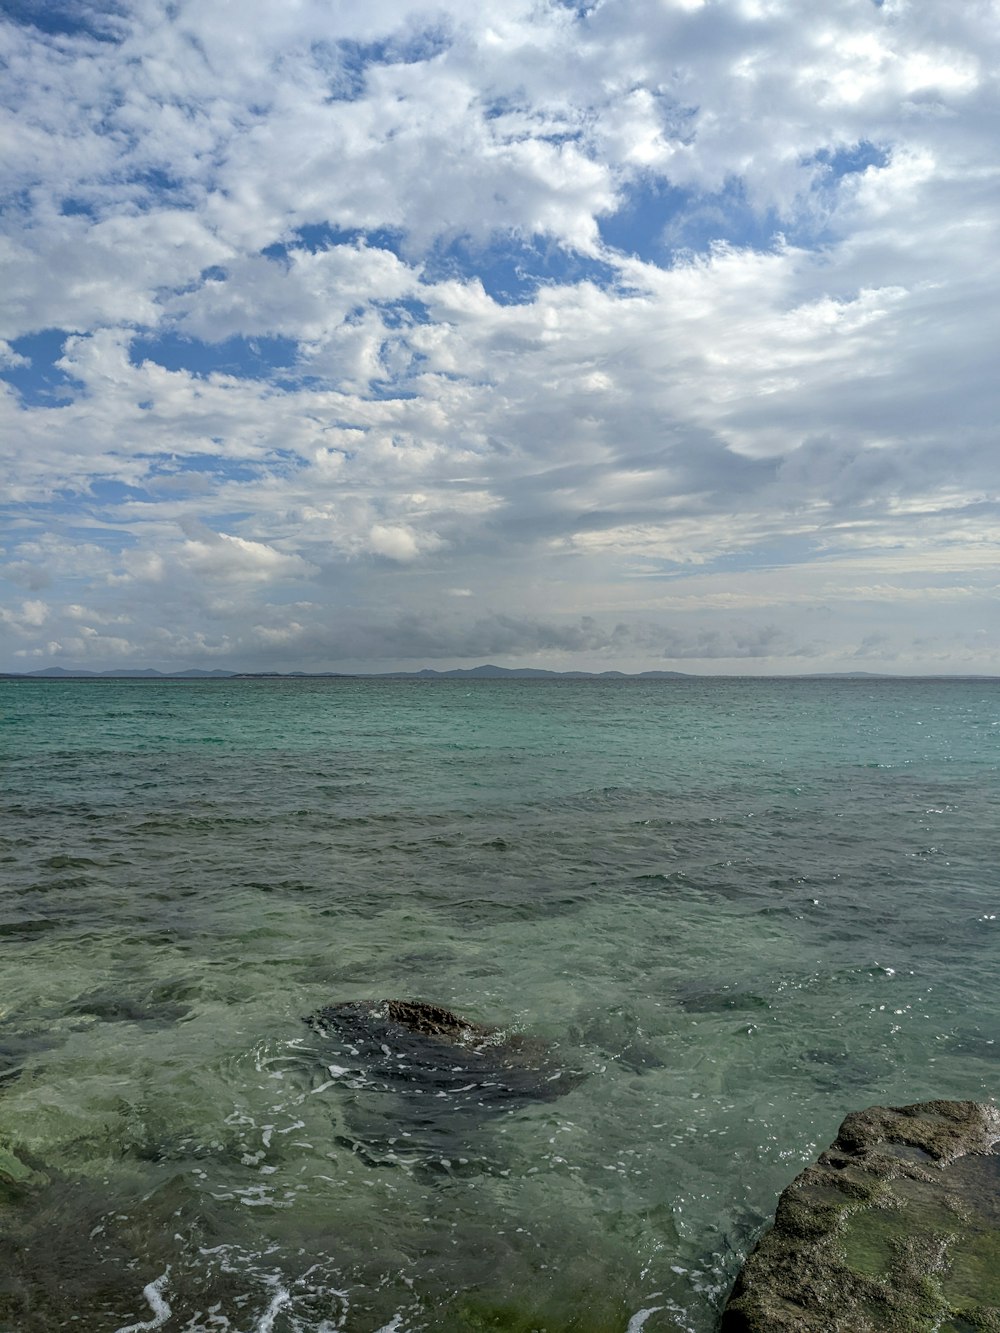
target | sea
[{"x": 728, "y": 911}]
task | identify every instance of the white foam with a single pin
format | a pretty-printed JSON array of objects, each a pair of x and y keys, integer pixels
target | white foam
[
  {"x": 640, "y": 1317},
  {"x": 153, "y": 1292},
  {"x": 280, "y": 1299}
]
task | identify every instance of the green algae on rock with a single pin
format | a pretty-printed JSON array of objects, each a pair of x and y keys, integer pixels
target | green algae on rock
[
  {"x": 895, "y": 1227},
  {"x": 12, "y": 1168}
]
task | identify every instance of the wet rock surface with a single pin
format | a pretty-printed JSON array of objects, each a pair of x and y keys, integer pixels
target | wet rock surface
[
  {"x": 895, "y": 1227},
  {"x": 412, "y": 1048},
  {"x": 420, "y": 1087}
]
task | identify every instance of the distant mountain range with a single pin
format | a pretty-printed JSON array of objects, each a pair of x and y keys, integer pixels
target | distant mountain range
[
  {"x": 147, "y": 673},
  {"x": 531, "y": 673},
  {"x": 486, "y": 672},
  {"x": 459, "y": 673}
]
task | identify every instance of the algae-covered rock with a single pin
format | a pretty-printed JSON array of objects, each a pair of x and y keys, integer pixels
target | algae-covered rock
[
  {"x": 895, "y": 1227},
  {"x": 12, "y": 1168}
]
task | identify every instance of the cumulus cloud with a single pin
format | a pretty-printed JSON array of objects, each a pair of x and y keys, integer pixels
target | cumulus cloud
[
  {"x": 220, "y": 557},
  {"x": 10, "y": 358},
  {"x": 29, "y": 616},
  {"x": 674, "y": 317}
]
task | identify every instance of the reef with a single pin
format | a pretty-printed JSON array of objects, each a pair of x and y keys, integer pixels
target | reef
[{"x": 895, "y": 1227}]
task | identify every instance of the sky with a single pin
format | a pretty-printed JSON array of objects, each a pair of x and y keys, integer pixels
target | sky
[{"x": 634, "y": 335}]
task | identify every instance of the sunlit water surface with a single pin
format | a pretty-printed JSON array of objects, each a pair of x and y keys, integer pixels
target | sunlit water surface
[{"x": 739, "y": 908}]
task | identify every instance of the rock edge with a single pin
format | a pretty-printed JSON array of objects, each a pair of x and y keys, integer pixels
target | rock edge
[{"x": 895, "y": 1227}]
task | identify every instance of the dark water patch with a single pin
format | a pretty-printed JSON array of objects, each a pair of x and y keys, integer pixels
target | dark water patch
[
  {"x": 835, "y": 1070},
  {"x": 27, "y": 928},
  {"x": 113, "y": 1007},
  {"x": 978, "y": 1045},
  {"x": 170, "y": 825},
  {"x": 706, "y": 997},
  {"x": 62, "y": 884},
  {"x": 67, "y": 862},
  {"x": 19, "y": 1047},
  {"x": 505, "y": 906},
  {"x": 78, "y": 1256},
  {"x": 291, "y": 886},
  {"x": 619, "y": 1035}
]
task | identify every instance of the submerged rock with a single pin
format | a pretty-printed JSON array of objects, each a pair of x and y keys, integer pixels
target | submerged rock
[
  {"x": 12, "y": 1169},
  {"x": 412, "y": 1048},
  {"x": 110, "y": 1007},
  {"x": 895, "y": 1227}
]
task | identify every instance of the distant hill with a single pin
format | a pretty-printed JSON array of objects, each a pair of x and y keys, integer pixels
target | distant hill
[
  {"x": 485, "y": 672},
  {"x": 490, "y": 672},
  {"x": 123, "y": 673}
]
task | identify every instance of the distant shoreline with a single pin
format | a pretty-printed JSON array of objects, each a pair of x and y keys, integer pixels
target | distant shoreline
[{"x": 487, "y": 672}]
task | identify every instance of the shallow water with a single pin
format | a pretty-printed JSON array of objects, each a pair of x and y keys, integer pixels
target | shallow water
[{"x": 737, "y": 908}]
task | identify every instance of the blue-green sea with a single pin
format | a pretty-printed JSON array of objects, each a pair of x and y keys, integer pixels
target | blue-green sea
[{"x": 733, "y": 909}]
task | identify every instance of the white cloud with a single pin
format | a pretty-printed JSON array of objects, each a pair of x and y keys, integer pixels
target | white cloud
[
  {"x": 755, "y": 404},
  {"x": 30, "y": 616},
  {"x": 397, "y": 542},
  {"x": 219, "y": 557},
  {"x": 10, "y": 358}
]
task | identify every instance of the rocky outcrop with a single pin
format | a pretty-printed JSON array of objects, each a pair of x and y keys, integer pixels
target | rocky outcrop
[
  {"x": 895, "y": 1227},
  {"x": 412, "y": 1048}
]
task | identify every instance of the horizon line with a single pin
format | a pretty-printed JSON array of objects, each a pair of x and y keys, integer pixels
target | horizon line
[{"x": 484, "y": 671}]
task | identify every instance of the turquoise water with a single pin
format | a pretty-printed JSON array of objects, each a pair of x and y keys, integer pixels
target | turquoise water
[{"x": 737, "y": 908}]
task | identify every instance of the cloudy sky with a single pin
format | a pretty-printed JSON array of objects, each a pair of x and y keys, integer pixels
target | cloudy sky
[{"x": 630, "y": 334}]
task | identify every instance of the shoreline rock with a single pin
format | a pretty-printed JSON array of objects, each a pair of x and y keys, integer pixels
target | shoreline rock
[{"x": 896, "y": 1227}]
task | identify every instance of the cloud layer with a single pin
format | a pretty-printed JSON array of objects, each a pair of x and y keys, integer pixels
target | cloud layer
[{"x": 645, "y": 333}]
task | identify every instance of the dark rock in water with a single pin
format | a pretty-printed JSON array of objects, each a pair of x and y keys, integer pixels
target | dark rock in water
[
  {"x": 895, "y": 1227},
  {"x": 415, "y": 1049}
]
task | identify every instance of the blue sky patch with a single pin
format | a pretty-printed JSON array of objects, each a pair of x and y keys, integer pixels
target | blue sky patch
[
  {"x": 41, "y": 383},
  {"x": 388, "y": 391},
  {"x": 853, "y": 158},
  {"x": 201, "y": 473},
  {"x": 639, "y": 226},
  {"x": 245, "y": 358},
  {"x": 162, "y": 188},
  {"x": 512, "y": 270},
  {"x": 66, "y": 18},
  {"x": 403, "y": 314},
  {"x": 72, "y": 207},
  {"x": 657, "y": 221},
  {"x": 349, "y": 61},
  {"x": 316, "y": 236},
  {"x": 106, "y": 491}
]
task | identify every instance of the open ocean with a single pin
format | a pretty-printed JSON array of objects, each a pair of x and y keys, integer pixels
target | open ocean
[{"x": 735, "y": 909}]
